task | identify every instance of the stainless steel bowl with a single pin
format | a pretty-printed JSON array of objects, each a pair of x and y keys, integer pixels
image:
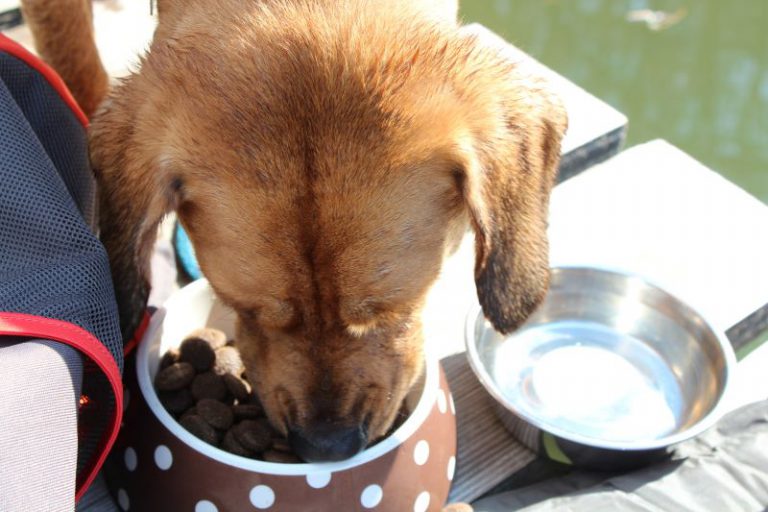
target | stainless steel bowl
[{"x": 608, "y": 373}]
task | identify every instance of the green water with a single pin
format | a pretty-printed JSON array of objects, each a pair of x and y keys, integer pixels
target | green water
[{"x": 701, "y": 83}]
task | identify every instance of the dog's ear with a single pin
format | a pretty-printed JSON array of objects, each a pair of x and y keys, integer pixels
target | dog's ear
[
  {"x": 506, "y": 183},
  {"x": 134, "y": 196}
]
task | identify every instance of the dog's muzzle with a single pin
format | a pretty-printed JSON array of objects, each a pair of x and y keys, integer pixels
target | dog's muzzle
[{"x": 328, "y": 442}]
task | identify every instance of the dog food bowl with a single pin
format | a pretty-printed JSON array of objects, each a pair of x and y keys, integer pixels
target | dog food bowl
[
  {"x": 608, "y": 373},
  {"x": 157, "y": 465}
]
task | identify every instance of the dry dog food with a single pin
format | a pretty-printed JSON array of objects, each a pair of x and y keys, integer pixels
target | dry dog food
[{"x": 203, "y": 385}]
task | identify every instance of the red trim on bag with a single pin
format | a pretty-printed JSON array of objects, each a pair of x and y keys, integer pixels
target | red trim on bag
[
  {"x": 14, "y": 49},
  {"x": 20, "y": 324},
  {"x": 140, "y": 330}
]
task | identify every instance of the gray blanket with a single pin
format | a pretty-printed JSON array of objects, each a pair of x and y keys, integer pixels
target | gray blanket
[{"x": 724, "y": 470}]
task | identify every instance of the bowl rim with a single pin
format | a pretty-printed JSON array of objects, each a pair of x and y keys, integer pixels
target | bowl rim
[
  {"x": 152, "y": 338},
  {"x": 475, "y": 315}
]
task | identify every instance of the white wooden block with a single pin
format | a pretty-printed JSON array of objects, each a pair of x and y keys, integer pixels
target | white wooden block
[{"x": 657, "y": 212}]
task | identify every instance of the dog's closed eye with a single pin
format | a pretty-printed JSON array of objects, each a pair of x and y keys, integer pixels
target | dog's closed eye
[
  {"x": 279, "y": 314},
  {"x": 362, "y": 316},
  {"x": 374, "y": 318},
  {"x": 270, "y": 313},
  {"x": 358, "y": 330}
]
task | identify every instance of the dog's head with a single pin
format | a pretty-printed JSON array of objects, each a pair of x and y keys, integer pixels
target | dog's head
[{"x": 323, "y": 167}]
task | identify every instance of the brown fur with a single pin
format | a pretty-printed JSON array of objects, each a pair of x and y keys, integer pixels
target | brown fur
[{"x": 324, "y": 156}]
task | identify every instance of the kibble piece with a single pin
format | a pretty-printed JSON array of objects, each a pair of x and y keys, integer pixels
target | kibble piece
[
  {"x": 217, "y": 414},
  {"x": 247, "y": 411},
  {"x": 280, "y": 457},
  {"x": 228, "y": 361},
  {"x": 232, "y": 445},
  {"x": 237, "y": 386},
  {"x": 192, "y": 410},
  {"x": 198, "y": 427},
  {"x": 170, "y": 357},
  {"x": 198, "y": 353},
  {"x": 177, "y": 401},
  {"x": 208, "y": 385},
  {"x": 280, "y": 444},
  {"x": 253, "y": 434},
  {"x": 176, "y": 376},
  {"x": 213, "y": 337},
  {"x": 268, "y": 426}
]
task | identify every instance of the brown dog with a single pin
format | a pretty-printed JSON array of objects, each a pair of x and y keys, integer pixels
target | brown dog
[{"x": 324, "y": 156}]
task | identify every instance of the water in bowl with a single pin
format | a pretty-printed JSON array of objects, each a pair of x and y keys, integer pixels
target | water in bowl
[{"x": 591, "y": 380}]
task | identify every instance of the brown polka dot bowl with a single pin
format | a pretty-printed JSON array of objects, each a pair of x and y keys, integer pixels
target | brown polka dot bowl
[{"x": 156, "y": 465}]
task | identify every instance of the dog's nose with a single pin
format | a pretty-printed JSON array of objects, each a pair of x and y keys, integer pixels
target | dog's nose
[{"x": 328, "y": 442}]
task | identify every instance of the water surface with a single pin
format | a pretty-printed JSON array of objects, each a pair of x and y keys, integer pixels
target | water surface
[{"x": 701, "y": 82}]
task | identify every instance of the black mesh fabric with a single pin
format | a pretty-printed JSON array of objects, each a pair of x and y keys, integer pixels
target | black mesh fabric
[
  {"x": 51, "y": 264},
  {"x": 58, "y": 130}
]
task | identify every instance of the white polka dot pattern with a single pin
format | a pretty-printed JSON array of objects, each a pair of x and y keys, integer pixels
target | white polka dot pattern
[
  {"x": 122, "y": 499},
  {"x": 441, "y": 401},
  {"x": 422, "y": 502},
  {"x": 163, "y": 457},
  {"x": 451, "y": 467},
  {"x": 319, "y": 480},
  {"x": 371, "y": 496},
  {"x": 205, "y": 506},
  {"x": 421, "y": 453},
  {"x": 453, "y": 405},
  {"x": 131, "y": 461},
  {"x": 262, "y": 497}
]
